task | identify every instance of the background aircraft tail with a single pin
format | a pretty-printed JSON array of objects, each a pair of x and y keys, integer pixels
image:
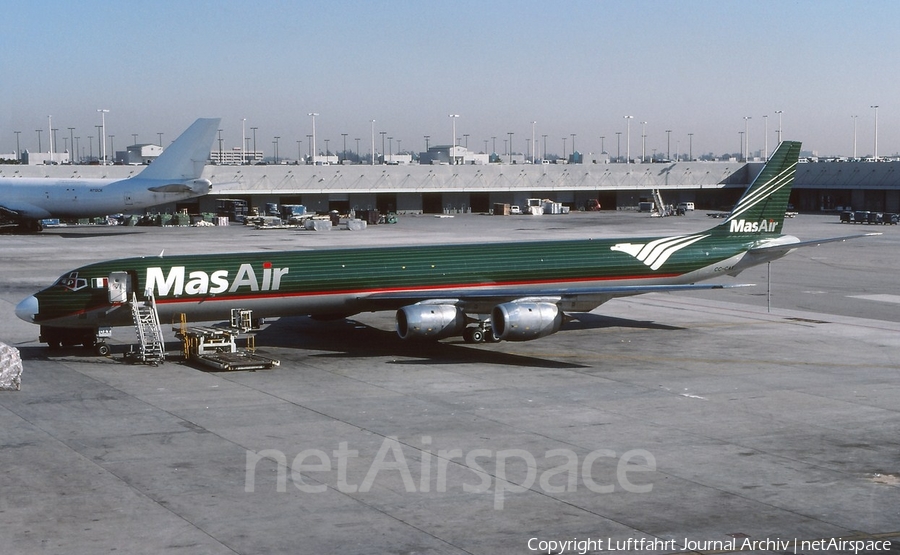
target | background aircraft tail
[
  {"x": 186, "y": 156},
  {"x": 761, "y": 208}
]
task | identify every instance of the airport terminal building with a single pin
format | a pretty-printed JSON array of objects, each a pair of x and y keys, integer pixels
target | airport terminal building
[
  {"x": 438, "y": 188},
  {"x": 478, "y": 184}
]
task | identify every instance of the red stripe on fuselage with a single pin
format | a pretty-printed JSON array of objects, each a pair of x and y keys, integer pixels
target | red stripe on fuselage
[{"x": 278, "y": 294}]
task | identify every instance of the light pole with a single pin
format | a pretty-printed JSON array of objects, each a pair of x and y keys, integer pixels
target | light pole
[
  {"x": 50, "y": 135},
  {"x": 564, "y": 147},
  {"x": 112, "y": 147},
  {"x": 427, "y": 137},
  {"x": 254, "y": 140},
  {"x": 544, "y": 157},
  {"x": 628, "y": 139},
  {"x": 160, "y": 139},
  {"x": 854, "y": 135},
  {"x": 299, "y": 152},
  {"x": 766, "y": 142},
  {"x": 747, "y": 137},
  {"x": 643, "y": 142},
  {"x": 71, "y": 143},
  {"x": 602, "y": 144},
  {"x": 18, "y": 150},
  {"x": 876, "y": 131},
  {"x": 344, "y": 135},
  {"x": 690, "y": 147},
  {"x": 618, "y": 146},
  {"x": 276, "y": 150},
  {"x": 453, "y": 118},
  {"x": 533, "y": 146},
  {"x": 78, "y": 155},
  {"x": 40, "y": 146},
  {"x": 373, "y": 142},
  {"x": 358, "y": 159},
  {"x": 573, "y": 146},
  {"x": 779, "y": 112},
  {"x": 668, "y": 144},
  {"x": 313, "y": 116},
  {"x": 510, "y": 146},
  {"x": 243, "y": 140},
  {"x": 103, "y": 113},
  {"x": 382, "y": 133}
]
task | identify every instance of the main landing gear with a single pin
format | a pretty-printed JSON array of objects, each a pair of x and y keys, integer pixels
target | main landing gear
[{"x": 479, "y": 333}]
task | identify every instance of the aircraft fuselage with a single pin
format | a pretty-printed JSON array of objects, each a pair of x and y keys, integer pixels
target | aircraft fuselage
[
  {"x": 343, "y": 282},
  {"x": 40, "y": 198}
]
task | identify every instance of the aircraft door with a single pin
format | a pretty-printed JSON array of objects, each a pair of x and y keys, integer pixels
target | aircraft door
[{"x": 118, "y": 286}]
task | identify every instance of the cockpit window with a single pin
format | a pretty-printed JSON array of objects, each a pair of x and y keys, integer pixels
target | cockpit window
[{"x": 72, "y": 282}]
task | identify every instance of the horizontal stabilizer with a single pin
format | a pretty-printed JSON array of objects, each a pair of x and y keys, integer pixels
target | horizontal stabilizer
[
  {"x": 171, "y": 188},
  {"x": 785, "y": 247}
]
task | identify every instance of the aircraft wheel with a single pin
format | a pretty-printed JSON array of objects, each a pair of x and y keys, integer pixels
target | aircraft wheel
[
  {"x": 473, "y": 335},
  {"x": 102, "y": 349}
]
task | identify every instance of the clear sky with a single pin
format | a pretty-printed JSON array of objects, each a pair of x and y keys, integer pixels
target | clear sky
[{"x": 574, "y": 67}]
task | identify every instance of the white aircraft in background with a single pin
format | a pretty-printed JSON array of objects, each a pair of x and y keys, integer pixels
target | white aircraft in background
[{"x": 173, "y": 176}]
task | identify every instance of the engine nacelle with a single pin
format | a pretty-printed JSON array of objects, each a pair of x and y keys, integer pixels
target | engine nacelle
[
  {"x": 525, "y": 321},
  {"x": 430, "y": 321}
]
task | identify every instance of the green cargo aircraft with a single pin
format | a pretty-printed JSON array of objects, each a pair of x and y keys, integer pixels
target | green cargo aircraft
[{"x": 484, "y": 292}]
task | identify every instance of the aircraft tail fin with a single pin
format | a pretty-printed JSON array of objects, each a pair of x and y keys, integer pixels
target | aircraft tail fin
[
  {"x": 761, "y": 208},
  {"x": 186, "y": 156}
]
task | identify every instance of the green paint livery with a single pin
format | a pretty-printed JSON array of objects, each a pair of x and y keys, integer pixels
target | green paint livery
[{"x": 438, "y": 291}]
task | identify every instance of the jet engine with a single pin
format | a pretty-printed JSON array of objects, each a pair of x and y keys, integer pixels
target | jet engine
[
  {"x": 524, "y": 321},
  {"x": 430, "y": 321}
]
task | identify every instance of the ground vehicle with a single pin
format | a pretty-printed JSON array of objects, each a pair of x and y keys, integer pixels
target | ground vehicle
[
  {"x": 685, "y": 206},
  {"x": 514, "y": 209}
]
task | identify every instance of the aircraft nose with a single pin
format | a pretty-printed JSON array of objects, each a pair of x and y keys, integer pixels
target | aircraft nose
[{"x": 27, "y": 309}]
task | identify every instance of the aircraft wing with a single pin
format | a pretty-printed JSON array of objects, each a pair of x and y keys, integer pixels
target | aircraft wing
[
  {"x": 18, "y": 210},
  {"x": 483, "y": 299}
]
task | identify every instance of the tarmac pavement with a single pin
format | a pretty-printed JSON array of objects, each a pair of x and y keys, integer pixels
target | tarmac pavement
[{"x": 689, "y": 422}]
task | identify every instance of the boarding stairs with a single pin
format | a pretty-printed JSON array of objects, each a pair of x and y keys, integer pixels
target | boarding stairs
[
  {"x": 151, "y": 348},
  {"x": 660, "y": 207}
]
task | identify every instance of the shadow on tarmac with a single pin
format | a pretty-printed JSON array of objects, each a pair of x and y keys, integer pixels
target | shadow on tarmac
[
  {"x": 348, "y": 338},
  {"x": 352, "y": 339}
]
